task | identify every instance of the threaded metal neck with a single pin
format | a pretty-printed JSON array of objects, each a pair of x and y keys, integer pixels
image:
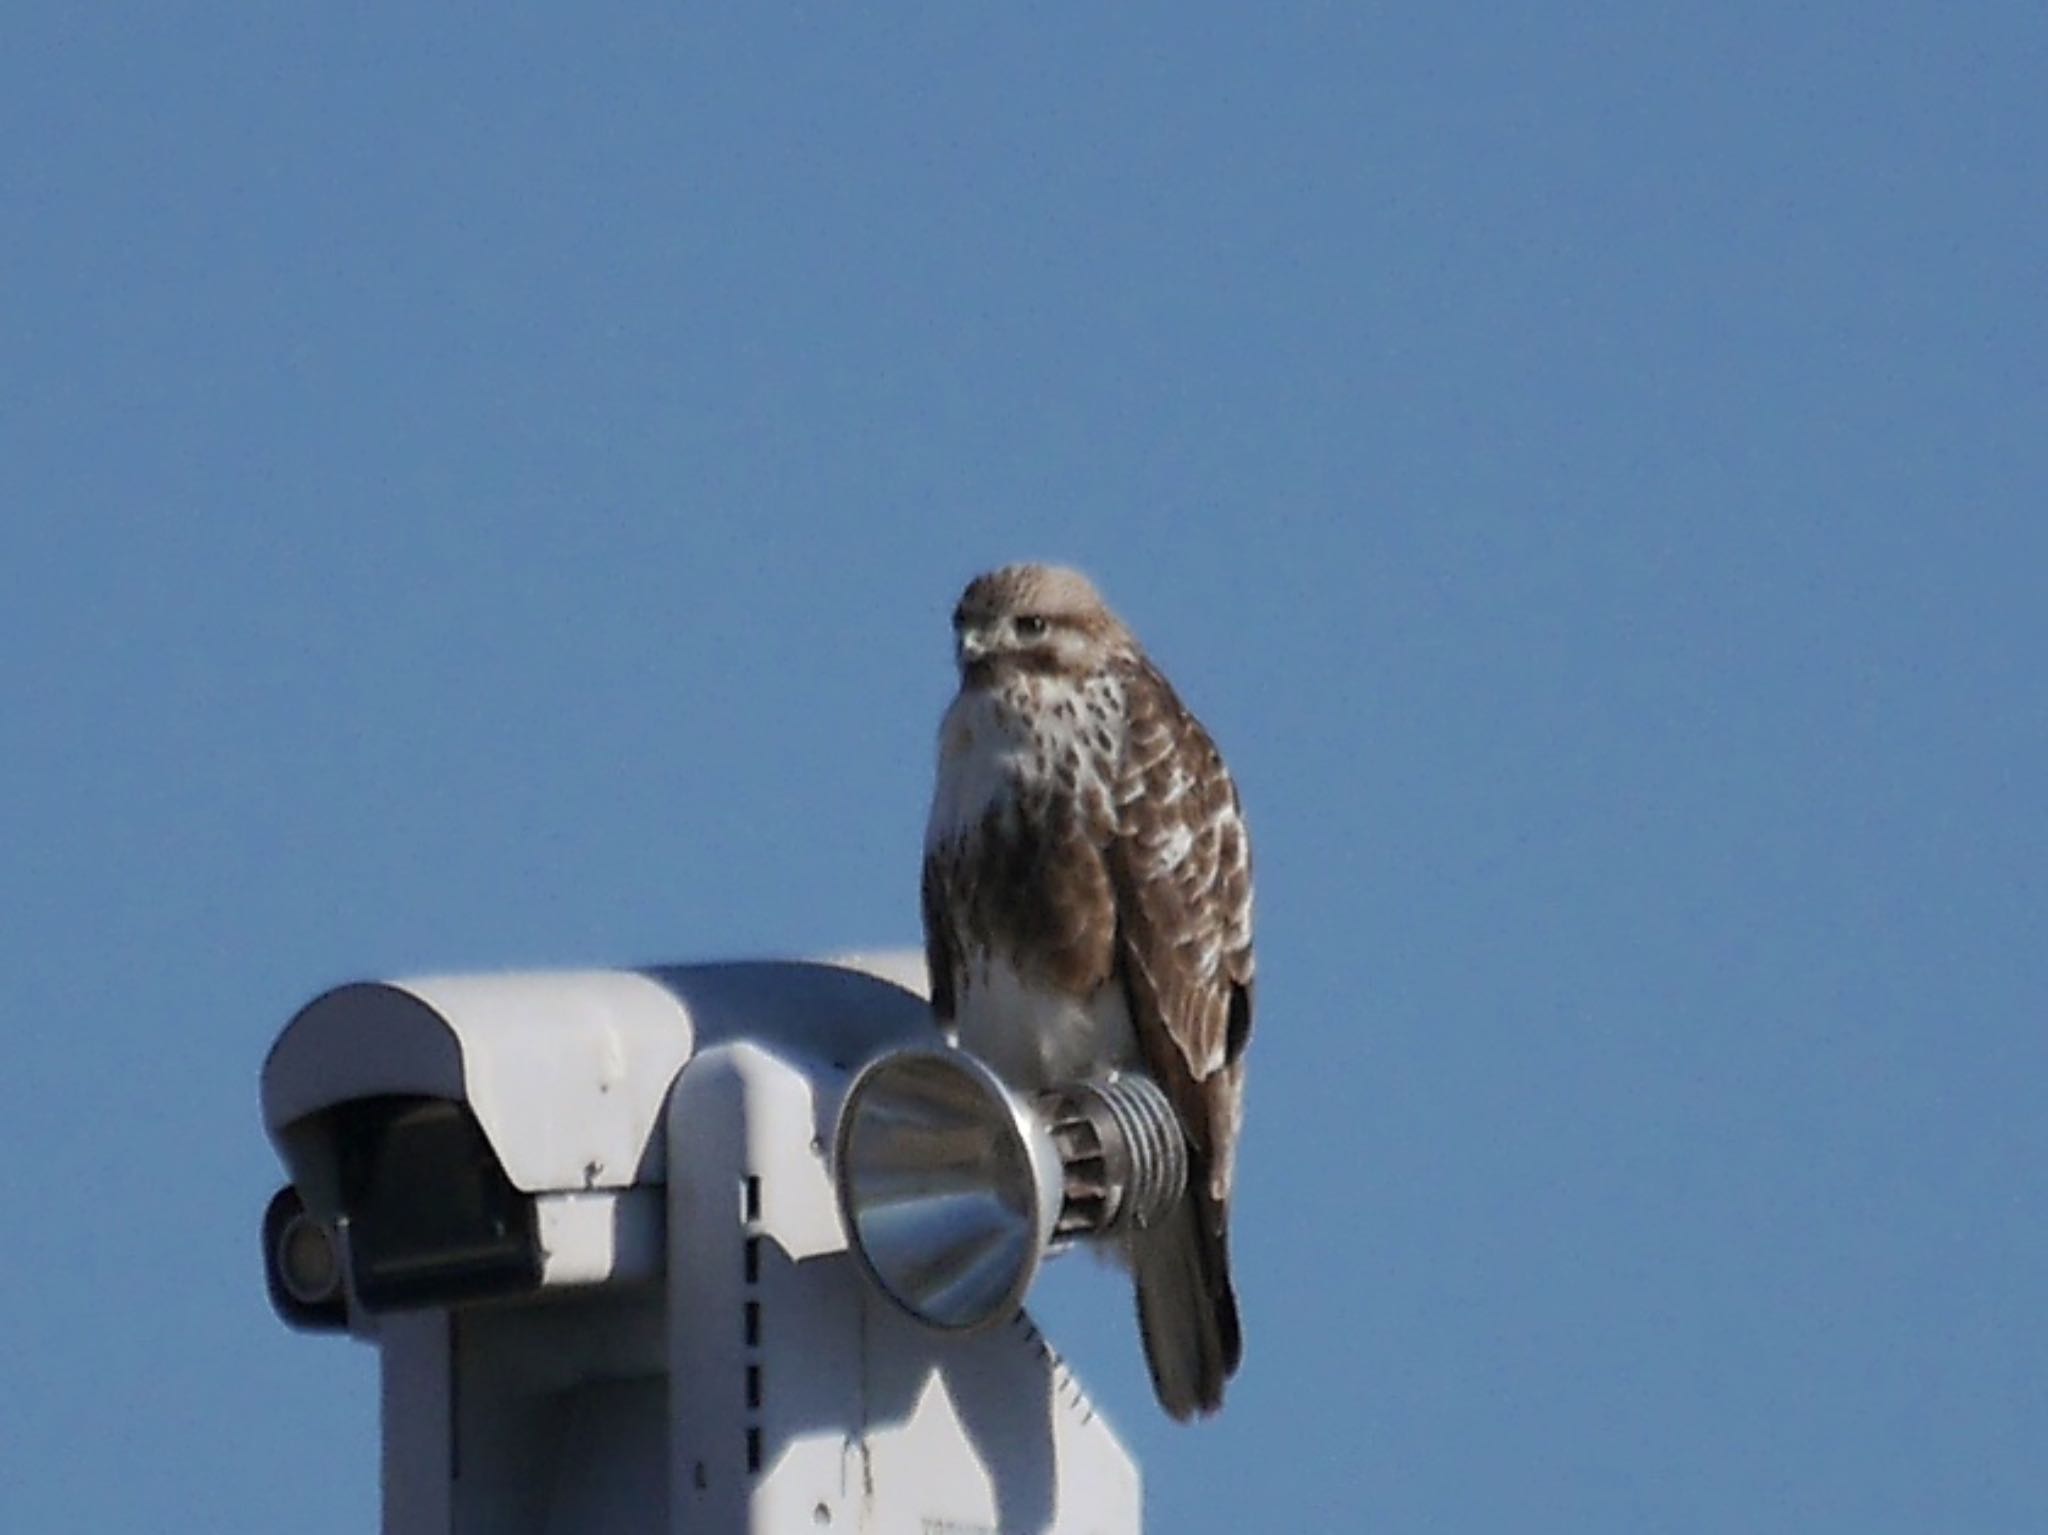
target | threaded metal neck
[{"x": 1122, "y": 1151}]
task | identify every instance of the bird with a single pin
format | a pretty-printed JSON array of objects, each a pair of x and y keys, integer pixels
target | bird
[{"x": 1087, "y": 905}]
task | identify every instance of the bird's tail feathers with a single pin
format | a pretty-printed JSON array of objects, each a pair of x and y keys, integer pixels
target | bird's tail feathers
[{"x": 1187, "y": 1311}]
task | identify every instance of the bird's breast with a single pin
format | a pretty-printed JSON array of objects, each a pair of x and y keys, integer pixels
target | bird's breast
[
  {"x": 1038, "y": 1037},
  {"x": 982, "y": 760},
  {"x": 1040, "y": 742}
]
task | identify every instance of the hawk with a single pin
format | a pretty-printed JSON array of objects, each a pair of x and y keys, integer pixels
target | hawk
[{"x": 1088, "y": 910}]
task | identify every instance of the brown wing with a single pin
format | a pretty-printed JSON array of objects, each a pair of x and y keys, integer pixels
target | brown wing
[
  {"x": 940, "y": 953},
  {"x": 1181, "y": 861}
]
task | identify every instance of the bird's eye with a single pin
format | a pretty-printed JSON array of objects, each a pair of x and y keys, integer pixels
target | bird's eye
[{"x": 1031, "y": 626}]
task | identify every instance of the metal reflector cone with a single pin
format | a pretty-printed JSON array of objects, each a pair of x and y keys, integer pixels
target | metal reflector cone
[{"x": 948, "y": 1187}]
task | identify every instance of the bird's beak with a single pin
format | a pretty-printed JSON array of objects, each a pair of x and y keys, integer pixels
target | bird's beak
[{"x": 973, "y": 646}]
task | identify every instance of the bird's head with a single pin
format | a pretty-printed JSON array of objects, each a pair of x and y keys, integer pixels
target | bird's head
[{"x": 1035, "y": 618}]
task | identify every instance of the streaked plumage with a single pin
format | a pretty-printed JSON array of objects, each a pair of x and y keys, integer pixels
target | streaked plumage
[{"x": 1088, "y": 909}]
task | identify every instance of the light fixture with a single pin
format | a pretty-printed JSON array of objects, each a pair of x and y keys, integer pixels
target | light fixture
[
  {"x": 952, "y": 1188},
  {"x": 303, "y": 1265},
  {"x": 307, "y": 1261}
]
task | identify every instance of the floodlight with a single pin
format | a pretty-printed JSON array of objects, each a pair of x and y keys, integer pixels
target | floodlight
[
  {"x": 302, "y": 1265},
  {"x": 307, "y": 1261},
  {"x": 953, "y": 1188},
  {"x": 949, "y": 1188}
]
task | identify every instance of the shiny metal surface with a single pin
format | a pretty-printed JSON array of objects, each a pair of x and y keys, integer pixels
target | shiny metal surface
[
  {"x": 1124, "y": 1153},
  {"x": 948, "y": 1186}
]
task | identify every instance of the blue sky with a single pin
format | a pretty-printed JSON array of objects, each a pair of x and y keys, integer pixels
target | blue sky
[{"x": 485, "y": 488}]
